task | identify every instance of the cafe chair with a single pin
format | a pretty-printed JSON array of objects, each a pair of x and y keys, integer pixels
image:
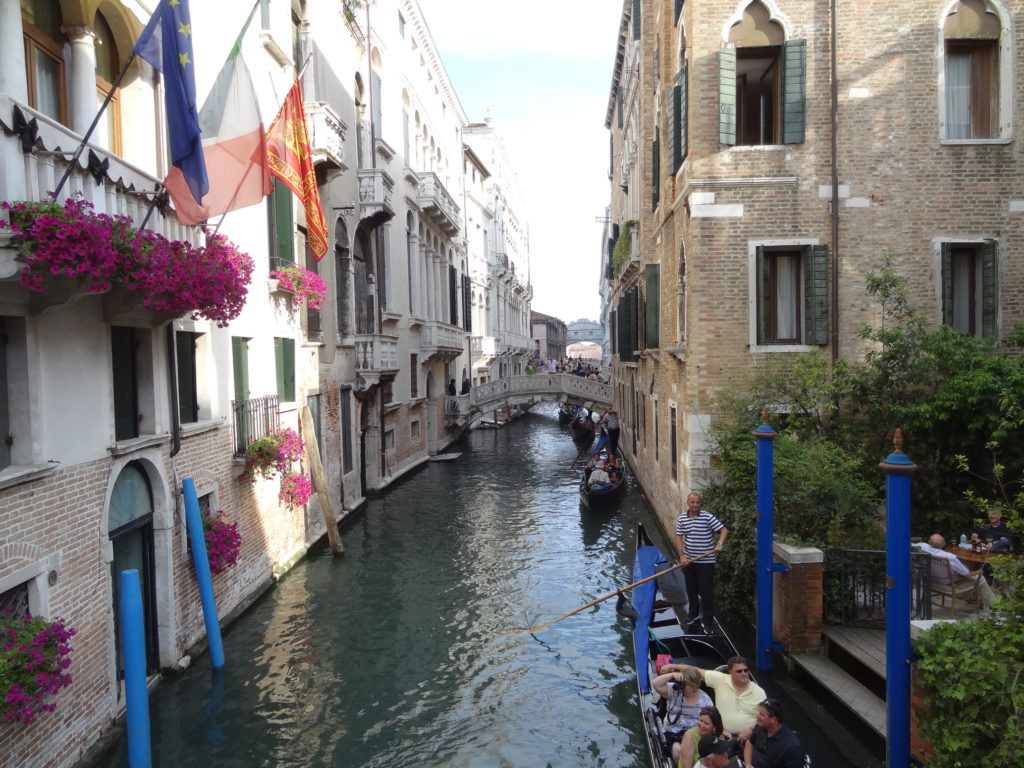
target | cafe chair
[{"x": 947, "y": 584}]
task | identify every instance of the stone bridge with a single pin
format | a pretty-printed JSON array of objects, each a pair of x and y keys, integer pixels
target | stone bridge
[{"x": 463, "y": 410}]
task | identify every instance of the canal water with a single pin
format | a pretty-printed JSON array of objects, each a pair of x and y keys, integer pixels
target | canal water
[{"x": 412, "y": 650}]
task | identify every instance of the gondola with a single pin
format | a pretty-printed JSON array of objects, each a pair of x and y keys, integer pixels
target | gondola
[
  {"x": 603, "y": 495},
  {"x": 660, "y": 608},
  {"x": 582, "y": 431},
  {"x": 565, "y": 413}
]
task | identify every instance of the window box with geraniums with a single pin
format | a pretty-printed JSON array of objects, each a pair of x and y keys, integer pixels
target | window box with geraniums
[
  {"x": 305, "y": 285},
  {"x": 275, "y": 454},
  {"x": 223, "y": 541},
  {"x": 70, "y": 241},
  {"x": 34, "y": 659}
]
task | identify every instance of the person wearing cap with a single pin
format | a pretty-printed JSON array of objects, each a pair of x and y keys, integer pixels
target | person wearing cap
[
  {"x": 771, "y": 744},
  {"x": 713, "y": 753}
]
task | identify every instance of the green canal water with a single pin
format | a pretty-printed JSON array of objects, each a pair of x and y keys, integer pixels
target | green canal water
[{"x": 410, "y": 650}]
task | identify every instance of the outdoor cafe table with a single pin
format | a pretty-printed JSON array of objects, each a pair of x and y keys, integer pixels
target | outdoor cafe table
[{"x": 975, "y": 559}]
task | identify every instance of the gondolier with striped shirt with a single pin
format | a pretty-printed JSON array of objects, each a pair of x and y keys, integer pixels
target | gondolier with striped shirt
[{"x": 698, "y": 533}]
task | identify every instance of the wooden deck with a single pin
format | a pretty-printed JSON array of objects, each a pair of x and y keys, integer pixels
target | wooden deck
[{"x": 868, "y": 647}]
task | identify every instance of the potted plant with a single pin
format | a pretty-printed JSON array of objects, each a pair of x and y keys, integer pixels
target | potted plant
[
  {"x": 296, "y": 489},
  {"x": 307, "y": 286},
  {"x": 34, "y": 659},
  {"x": 272, "y": 454}
]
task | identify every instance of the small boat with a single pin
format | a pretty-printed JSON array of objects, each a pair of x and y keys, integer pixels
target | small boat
[
  {"x": 660, "y": 608},
  {"x": 603, "y": 494},
  {"x": 582, "y": 430},
  {"x": 565, "y": 413}
]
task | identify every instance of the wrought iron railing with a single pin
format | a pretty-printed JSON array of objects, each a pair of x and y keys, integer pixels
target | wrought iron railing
[
  {"x": 253, "y": 419},
  {"x": 855, "y": 587}
]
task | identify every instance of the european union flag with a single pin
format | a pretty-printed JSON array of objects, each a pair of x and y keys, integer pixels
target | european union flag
[{"x": 166, "y": 43}]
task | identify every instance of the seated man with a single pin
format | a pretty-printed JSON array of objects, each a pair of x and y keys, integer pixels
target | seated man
[
  {"x": 995, "y": 534},
  {"x": 736, "y": 695},
  {"x": 714, "y": 753},
  {"x": 771, "y": 744},
  {"x": 936, "y": 548},
  {"x": 598, "y": 477}
]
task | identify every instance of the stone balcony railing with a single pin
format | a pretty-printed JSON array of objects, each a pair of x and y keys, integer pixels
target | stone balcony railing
[
  {"x": 326, "y": 135},
  {"x": 441, "y": 340},
  {"x": 376, "y": 354},
  {"x": 376, "y": 193},
  {"x": 437, "y": 204},
  {"x": 483, "y": 347}
]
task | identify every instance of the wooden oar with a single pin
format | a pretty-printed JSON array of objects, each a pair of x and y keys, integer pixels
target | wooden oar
[
  {"x": 578, "y": 455},
  {"x": 610, "y": 595}
]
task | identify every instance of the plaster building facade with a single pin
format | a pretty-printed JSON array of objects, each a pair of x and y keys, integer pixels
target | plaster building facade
[
  {"x": 767, "y": 155},
  {"x": 549, "y": 337},
  {"x": 108, "y": 403}
]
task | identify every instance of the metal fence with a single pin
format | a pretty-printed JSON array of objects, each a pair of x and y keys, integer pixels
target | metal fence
[
  {"x": 253, "y": 419},
  {"x": 855, "y": 585}
]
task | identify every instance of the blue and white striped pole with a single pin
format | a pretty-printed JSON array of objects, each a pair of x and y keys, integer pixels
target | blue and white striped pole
[
  {"x": 133, "y": 653},
  {"x": 202, "y": 565},
  {"x": 898, "y": 470}
]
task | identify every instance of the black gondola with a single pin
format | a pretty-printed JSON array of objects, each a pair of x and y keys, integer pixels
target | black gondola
[
  {"x": 604, "y": 494},
  {"x": 582, "y": 430},
  {"x": 658, "y": 631}
]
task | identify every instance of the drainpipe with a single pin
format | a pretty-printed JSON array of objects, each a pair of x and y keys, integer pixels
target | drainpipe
[{"x": 835, "y": 189}]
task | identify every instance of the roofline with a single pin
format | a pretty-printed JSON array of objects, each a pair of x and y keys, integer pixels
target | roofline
[{"x": 620, "y": 57}]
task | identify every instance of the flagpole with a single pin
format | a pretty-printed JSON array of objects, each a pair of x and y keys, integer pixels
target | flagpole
[{"x": 95, "y": 122}]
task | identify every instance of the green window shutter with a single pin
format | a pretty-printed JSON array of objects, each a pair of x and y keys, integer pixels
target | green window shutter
[
  {"x": 684, "y": 98},
  {"x": 284, "y": 363},
  {"x": 282, "y": 225},
  {"x": 655, "y": 169},
  {"x": 760, "y": 281},
  {"x": 677, "y": 127},
  {"x": 794, "y": 98},
  {"x": 947, "y": 283},
  {"x": 614, "y": 331},
  {"x": 126, "y": 408},
  {"x": 652, "y": 307},
  {"x": 989, "y": 290},
  {"x": 815, "y": 263},
  {"x": 727, "y": 96},
  {"x": 188, "y": 395},
  {"x": 240, "y": 367},
  {"x": 636, "y": 19}
]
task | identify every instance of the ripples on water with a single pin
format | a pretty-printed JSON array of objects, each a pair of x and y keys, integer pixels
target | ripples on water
[{"x": 410, "y": 649}]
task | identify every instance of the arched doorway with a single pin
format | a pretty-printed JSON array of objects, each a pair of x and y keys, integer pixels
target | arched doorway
[{"x": 130, "y": 528}]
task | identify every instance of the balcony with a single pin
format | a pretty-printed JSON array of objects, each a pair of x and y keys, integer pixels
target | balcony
[
  {"x": 376, "y": 190},
  {"x": 376, "y": 359},
  {"x": 441, "y": 340},
  {"x": 437, "y": 205},
  {"x": 252, "y": 419},
  {"x": 510, "y": 343},
  {"x": 326, "y": 135},
  {"x": 483, "y": 348}
]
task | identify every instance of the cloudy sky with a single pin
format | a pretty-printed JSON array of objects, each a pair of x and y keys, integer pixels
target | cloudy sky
[{"x": 542, "y": 69}]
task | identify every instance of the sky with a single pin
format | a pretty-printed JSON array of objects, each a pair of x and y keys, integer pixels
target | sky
[{"x": 543, "y": 69}]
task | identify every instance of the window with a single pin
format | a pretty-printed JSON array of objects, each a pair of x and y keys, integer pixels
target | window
[
  {"x": 414, "y": 384},
  {"x": 969, "y": 290},
  {"x": 414, "y": 430},
  {"x": 313, "y": 403},
  {"x": 107, "y": 67},
  {"x": 652, "y": 306},
  {"x": 672, "y": 442},
  {"x": 389, "y": 440},
  {"x": 628, "y": 326},
  {"x": 188, "y": 381},
  {"x": 346, "y": 428},
  {"x": 655, "y": 169},
  {"x": 314, "y": 329},
  {"x": 44, "y": 60},
  {"x": 657, "y": 431},
  {"x": 681, "y": 298},
  {"x": 677, "y": 105},
  {"x": 761, "y": 83},
  {"x": 971, "y": 43},
  {"x": 282, "y": 226},
  {"x": 284, "y": 365},
  {"x": 791, "y": 294},
  {"x": 125, "y": 385}
]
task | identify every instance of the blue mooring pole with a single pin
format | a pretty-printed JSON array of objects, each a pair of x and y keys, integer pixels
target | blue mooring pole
[
  {"x": 898, "y": 470},
  {"x": 765, "y": 436},
  {"x": 202, "y": 566},
  {"x": 133, "y": 653}
]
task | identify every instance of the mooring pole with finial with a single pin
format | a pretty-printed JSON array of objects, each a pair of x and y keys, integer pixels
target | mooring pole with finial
[
  {"x": 898, "y": 470},
  {"x": 766, "y": 569}
]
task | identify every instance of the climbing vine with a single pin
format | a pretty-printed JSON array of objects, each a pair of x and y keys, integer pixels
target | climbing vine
[{"x": 621, "y": 249}]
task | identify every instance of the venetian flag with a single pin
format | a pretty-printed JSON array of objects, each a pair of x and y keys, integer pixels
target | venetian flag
[
  {"x": 166, "y": 43},
  {"x": 289, "y": 158},
  {"x": 234, "y": 146}
]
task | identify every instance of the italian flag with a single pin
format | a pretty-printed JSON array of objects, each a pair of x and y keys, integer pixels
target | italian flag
[{"x": 234, "y": 145}]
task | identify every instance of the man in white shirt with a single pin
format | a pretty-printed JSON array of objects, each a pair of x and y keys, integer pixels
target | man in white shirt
[{"x": 936, "y": 548}]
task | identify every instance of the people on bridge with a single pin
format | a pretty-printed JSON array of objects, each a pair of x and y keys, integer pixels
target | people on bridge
[
  {"x": 610, "y": 420},
  {"x": 465, "y": 385},
  {"x": 736, "y": 695},
  {"x": 696, "y": 531},
  {"x": 771, "y": 744},
  {"x": 684, "y": 702},
  {"x": 451, "y": 386},
  {"x": 709, "y": 724}
]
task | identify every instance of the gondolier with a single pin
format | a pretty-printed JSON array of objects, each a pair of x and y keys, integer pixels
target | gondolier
[
  {"x": 610, "y": 420},
  {"x": 699, "y": 533}
]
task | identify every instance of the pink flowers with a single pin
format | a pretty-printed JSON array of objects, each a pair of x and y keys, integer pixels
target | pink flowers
[
  {"x": 275, "y": 454},
  {"x": 306, "y": 285},
  {"x": 223, "y": 541},
  {"x": 70, "y": 240},
  {"x": 34, "y": 658}
]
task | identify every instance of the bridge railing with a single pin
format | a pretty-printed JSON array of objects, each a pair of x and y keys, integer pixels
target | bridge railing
[{"x": 483, "y": 395}]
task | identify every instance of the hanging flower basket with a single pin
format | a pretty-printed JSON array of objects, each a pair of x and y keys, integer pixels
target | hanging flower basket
[
  {"x": 273, "y": 454},
  {"x": 70, "y": 240},
  {"x": 34, "y": 659},
  {"x": 296, "y": 490},
  {"x": 223, "y": 541},
  {"x": 307, "y": 286}
]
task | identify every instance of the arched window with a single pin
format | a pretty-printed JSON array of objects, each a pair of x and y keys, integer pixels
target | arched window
[
  {"x": 107, "y": 66},
  {"x": 41, "y": 21},
  {"x": 975, "y": 59}
]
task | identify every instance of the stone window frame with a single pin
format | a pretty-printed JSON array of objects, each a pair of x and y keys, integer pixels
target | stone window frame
[{"x": 752, "y": 308}]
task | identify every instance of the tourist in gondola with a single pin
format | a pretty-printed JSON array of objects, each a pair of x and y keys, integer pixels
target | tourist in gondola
[
  {"x": 684, "y": 702},
  {"x": 771, "y": 744},
  {"x": 736, "y": 695},
  {"x": 708, "y": 724}
]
